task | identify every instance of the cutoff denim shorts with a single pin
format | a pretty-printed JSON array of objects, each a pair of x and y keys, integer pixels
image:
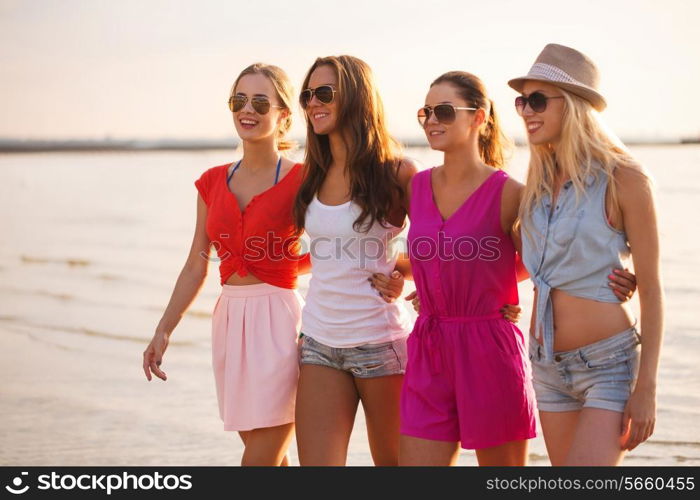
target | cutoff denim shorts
[
  {"x": 598, "y": 375},
  {"x": 364, "y": 361}
]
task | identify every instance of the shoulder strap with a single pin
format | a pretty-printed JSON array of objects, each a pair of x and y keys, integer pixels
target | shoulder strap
[
  {"x": 228, "y": 179},
  {"x": 420, "y": 192},
  {"x": 277, "y": 173},
  {"x": 491, "y": 196}
]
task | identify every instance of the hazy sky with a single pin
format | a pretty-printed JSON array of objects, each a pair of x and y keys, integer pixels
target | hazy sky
[{"x": 162, "y": 69}]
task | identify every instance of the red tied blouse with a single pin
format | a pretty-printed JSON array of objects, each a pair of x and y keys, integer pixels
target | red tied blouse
[{"x": 260, "y": 239}]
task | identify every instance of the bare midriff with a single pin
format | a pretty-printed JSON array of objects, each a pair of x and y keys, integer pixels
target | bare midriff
[
  {"x": 579, "y": 322},
  {"x": 237, "y": 280}
]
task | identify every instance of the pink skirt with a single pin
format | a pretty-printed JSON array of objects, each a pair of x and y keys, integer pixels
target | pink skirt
[{"x": 254, "y": 355}]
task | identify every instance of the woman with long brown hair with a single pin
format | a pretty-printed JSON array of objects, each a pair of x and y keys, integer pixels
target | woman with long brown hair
[{"x": 351, "y": 204}]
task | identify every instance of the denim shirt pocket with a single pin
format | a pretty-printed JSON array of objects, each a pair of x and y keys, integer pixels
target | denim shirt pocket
[{"x": 564, "y": 229}]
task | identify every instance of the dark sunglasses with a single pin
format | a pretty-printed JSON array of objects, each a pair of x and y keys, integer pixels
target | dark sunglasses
[
  {"x": 324, "y": 93},
  {"x": 536, "y": 100},
  {"x": 444, "y": 113},
  {"x": 260, "y": 103}
]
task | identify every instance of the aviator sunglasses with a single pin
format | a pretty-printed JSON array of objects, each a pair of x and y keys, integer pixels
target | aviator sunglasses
[
  {"x": 261, "y": 104},
  {"x": 536, "y": 100},
  {"x": 324, "y": 93},
  {"x": 444, "y": 113}
]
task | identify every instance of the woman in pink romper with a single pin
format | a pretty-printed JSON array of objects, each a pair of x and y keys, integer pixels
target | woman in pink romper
[{"x": 467, "y": 378}]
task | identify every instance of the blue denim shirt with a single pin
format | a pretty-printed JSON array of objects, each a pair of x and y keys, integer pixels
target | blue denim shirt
[{"x": 571, "y": 247}]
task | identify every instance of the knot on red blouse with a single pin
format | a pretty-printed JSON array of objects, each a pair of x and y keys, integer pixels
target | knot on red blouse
[{"x": 239, "y": 265}]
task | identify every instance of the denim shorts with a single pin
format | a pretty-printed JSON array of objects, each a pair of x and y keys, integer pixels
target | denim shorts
[
  {"x": 598, "y": 375},
  {"x": 364, "y": 361}
]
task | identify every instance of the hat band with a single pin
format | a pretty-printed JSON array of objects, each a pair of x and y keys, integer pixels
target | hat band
[{"x": 549, "y": 72}]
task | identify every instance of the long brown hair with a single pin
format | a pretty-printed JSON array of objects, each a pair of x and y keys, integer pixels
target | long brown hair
[
  {"x": 493, "y": 143},
  {"x": 285, "y": 94},
  {"x": 373, "y": 154}
]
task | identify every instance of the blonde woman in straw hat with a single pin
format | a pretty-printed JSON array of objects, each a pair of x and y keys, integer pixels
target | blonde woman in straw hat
[{"x": 587, "y": 207}]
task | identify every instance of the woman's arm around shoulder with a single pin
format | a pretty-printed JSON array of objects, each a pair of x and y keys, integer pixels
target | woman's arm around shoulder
[
  {"x": 407, "y": 169},
  {"x": 510, "y": 205}
]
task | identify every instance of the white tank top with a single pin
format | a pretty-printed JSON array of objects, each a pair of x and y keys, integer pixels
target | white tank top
[{"x": 342, "y": 309}]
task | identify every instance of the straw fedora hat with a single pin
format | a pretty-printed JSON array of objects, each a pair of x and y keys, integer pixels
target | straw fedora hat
[{"x": 568, "y": 69}]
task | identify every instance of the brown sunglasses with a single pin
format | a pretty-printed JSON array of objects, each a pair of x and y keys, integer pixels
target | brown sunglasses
[{"x": 261, "y": 104}]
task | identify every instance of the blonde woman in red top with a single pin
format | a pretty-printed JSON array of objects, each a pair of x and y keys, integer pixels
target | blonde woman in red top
[{"x": 244, "y": 210}]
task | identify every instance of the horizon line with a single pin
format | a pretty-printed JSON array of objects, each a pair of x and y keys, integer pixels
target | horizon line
[{"x": 10, "y": 145}]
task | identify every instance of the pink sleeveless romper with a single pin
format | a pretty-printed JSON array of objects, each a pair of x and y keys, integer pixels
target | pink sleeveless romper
[{"x": 467, "y": 376}]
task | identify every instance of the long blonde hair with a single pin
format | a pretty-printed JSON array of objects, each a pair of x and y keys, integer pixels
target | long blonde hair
[
  {"x": 285, "y": 94},
  {"x": 586, "y": 148}
]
